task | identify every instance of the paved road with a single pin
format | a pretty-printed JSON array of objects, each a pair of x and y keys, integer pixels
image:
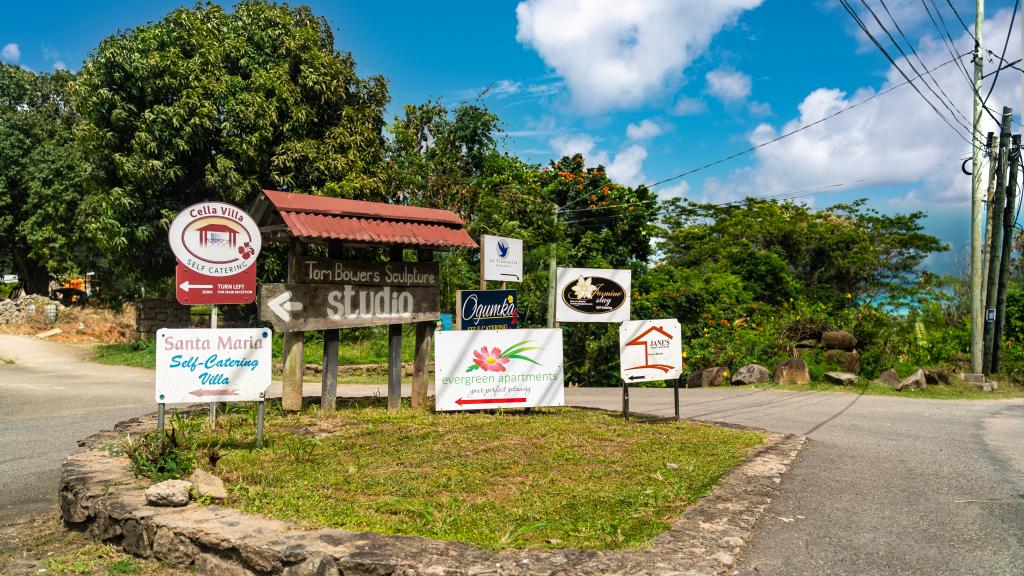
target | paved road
[
  {"x": 50, "y": 398},
  {"x": 887, "y": 485}
]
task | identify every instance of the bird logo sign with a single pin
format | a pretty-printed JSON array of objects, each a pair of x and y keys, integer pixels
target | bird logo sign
[{"x": 502, "y": 249}]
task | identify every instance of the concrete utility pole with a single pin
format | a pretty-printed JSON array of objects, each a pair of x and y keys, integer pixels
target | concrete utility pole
[
  {"x": 995, "y": 217},
  {"x": 977, "y": 315}
]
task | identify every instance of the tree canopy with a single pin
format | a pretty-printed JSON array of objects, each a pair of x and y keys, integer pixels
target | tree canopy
[{"x": 208, "y": 104}]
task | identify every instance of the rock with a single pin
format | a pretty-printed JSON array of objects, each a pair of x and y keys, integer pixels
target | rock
[
  {"x": 936, "y": 376},
  {"x": 841, "y": 378},
  {"x": 172, "y": 549},
  {"x": 316, "y": 566},
  {"x": 889, "y": 378},
  {"x": 838, "y": 340},
  {"x": 714, "y": 376},
  {"x": 751, "y": 374},
  {"x": 848, "y": 361},
  {"x": 211, "y": 565},
  {"x": 792, "y": 371},
  {"x": 208, "y": 485},
  {"x": 915, "y": 381},
  {"x": 168, "y": 493},
  {"x": 809, "y": 343}
]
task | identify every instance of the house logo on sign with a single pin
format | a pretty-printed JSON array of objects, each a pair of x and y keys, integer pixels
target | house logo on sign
[{"x": 654, "y": 339}]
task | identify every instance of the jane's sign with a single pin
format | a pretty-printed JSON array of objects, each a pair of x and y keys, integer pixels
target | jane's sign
[{"x": 593, "y": 295}]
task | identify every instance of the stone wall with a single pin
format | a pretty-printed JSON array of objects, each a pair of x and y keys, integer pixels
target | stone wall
[
  {"x": 154, "y": 314},
  {"x": 99, "y": 495}
]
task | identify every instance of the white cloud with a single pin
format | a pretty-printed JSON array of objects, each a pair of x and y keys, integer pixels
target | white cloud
[
  {"x": 645, "y": 130},
  {"x": 625, "y": 167},
  {"x": 687, "y": 106},
  {"x": 728, "y": 86},
  {"x": 759, "y": 109},
  {"x": 503, "y": 88},
  {"x": 10, "y": 53},
  {"x": 59, "y": 65},
  {"x": 893, "y": 140},
  {"x": 620, "y": 53}
]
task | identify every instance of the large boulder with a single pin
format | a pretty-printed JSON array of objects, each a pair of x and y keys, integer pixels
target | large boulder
[
  {"x": 889, "y": 378},
  {"x": 847, "y": 360},
  {"x": 841, "y": 378},
  {"x": 915, "y": 381},
  {"x": 838, "y": 340},
  {"x": 714, "y": 376},
  {"x": 168, "y": 493},
  {"x": 751, "y": 374},
  {"x": 936, "y": 376},
  {"x": 792, "y": 371},
  {"x": 207, "y": 485}
]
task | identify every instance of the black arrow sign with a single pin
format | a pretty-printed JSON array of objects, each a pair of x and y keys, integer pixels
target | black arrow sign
[{"x": 636, "y": 378}]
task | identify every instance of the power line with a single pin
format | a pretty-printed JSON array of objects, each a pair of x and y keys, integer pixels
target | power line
[
  {"x": 853, "y": 14},
  {"x": 795, "y": 131},
  {"x": 948, "y": 102},
  {"x": 962, "y": 23},
  {"x": 1002, "y": 57}
]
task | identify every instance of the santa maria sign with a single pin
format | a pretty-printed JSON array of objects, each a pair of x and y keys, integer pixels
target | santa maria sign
[
  {"x": 650, "y": 350},
  {"x": 475, "y": 370},
  {"x": 202, "y": 365},
  {"x": 216, "y": 245}
]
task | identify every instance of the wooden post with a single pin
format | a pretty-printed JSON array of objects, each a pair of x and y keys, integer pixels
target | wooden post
[
  {"x": 395, "y": 353},
  {"x": 424, "y": 340},
  {"x": 329, "y": 375},
  {"x": 294, "y": 345}
]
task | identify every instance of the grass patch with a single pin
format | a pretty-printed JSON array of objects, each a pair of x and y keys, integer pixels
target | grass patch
[
  {"x": 552, "y": 478},
  {"x": 957, "y": 390},
  {"x": 141, "y": 353},
  {"x": 7, "y": 361}
]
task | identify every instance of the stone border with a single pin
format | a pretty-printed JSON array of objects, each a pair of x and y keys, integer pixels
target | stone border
[{"x": 99, "y": 494}]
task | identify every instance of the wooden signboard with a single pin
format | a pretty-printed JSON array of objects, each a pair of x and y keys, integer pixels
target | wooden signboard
[
  {"x": 328, "y": 271},
  {"x": 300, "y": 307}
]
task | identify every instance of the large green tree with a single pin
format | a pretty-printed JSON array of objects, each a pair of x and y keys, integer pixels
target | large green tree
[
  {"x": 837, "y": 255},
  {"x": 208, "y": 104},
  {"x": 41, "y": 177}
]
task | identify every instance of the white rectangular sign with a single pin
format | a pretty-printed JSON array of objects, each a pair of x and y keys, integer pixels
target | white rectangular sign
[
  {"x": 502, "y": 258},
  {"x": 203, "y": 365},
  {"x": 592, "y": 295},
  {"x": 476, "y": 370},
  {"x": 650, "y": 350}
]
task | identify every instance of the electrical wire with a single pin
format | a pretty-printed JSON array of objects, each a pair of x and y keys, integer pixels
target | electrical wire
[
  {"x": 947, "y": 103},
  {"x": 856, "y": 17},
  {"x": 1002, "y": 57},
  {"x": 962, "y": 23},
  {"x": 794, "y": 131}
]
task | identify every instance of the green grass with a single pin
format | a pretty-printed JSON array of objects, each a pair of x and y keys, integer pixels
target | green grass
[
  {"x": 5, "y": 360},
  {"x": 552, "y": 478},
  {"x": 957, "y": 390},
  {"x": 141, "y": 354}
]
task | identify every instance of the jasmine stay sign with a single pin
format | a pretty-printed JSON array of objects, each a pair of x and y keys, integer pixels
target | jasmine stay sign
[{"x": 475, "y": 370}]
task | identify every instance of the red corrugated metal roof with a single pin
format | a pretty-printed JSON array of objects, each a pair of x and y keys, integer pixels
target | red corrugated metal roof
[{"x": 320, "y": 217}]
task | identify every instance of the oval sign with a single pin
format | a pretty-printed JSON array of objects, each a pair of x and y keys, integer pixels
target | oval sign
[
  {"x": 593, "y": 295},
  {"x": 215, "y": 239}
]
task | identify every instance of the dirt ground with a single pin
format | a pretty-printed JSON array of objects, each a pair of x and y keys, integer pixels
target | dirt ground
[
  {"x": 80, "y": 325},
  {"x": 42, "y": 545}
]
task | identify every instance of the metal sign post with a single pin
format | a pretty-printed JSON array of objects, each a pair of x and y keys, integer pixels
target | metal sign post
[
  {"x": 650, "y": 350},
  {"x": 213, "y": 405}
]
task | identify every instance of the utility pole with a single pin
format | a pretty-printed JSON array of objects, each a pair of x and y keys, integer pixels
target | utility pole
[
  {"x": 1004, "y": 260},
  {"x": 977, "y": 318},
  {"x": 995, "y": 216}
]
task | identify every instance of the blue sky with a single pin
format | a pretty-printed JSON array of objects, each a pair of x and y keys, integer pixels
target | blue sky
[{"x": 653, "y": 88}]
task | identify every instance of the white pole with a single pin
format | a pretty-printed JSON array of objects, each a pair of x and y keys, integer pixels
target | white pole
[{"x": 977, "y": 318}]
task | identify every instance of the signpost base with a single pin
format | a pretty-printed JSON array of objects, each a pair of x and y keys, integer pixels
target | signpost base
[
  {"x": 260, "y": 412},
  {"x": 625, "y": 405},
  {"x": 160, "y": 409}
]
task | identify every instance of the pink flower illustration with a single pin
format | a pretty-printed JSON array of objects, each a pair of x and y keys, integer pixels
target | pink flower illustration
[{"x": 489, "y": 360}]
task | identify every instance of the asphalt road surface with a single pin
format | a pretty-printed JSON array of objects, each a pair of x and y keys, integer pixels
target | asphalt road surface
[{"x": 886, "y": 486}]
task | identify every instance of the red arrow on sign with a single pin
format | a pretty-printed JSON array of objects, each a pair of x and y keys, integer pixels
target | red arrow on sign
[
  {"x": 224, "y": 392},
  {"x": 463, "y": 402}
]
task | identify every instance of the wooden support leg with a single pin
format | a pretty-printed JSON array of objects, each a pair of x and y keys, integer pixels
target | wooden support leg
[
  {"x": 394, "y": 366},
  {"x": 329, "y": 386},
  {"x": 424, "y": 338},
  {"x": 294, "y": 366}
]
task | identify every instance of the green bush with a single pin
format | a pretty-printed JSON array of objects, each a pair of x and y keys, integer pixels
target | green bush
[{"x": 163, "y": 455}]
